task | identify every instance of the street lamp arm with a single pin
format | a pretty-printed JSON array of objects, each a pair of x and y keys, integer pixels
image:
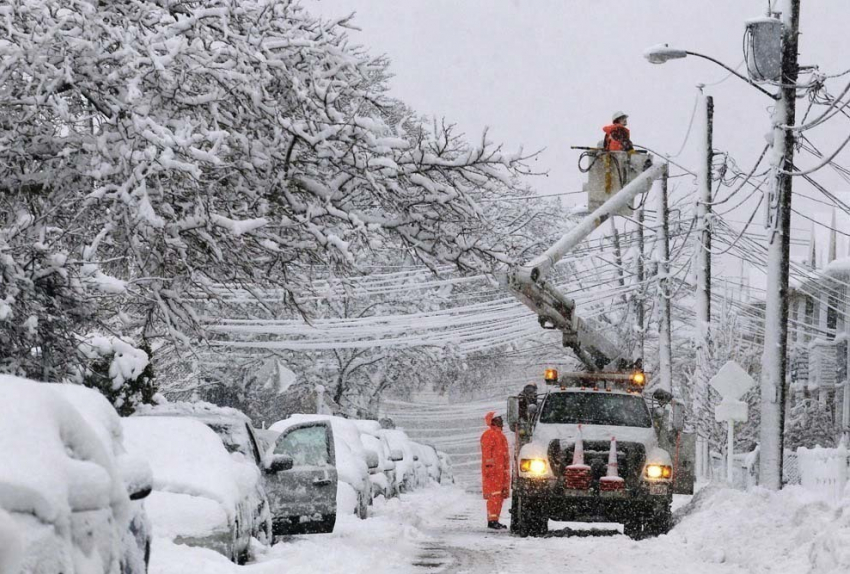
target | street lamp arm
[{"x": 732, "y": 71}]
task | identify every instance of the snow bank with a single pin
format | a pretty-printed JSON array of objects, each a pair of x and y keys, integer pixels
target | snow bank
[
  {"x": 387, "y": 543},
  {"x": 11, "y": 545},
  {"x": 789, "y": 531}
]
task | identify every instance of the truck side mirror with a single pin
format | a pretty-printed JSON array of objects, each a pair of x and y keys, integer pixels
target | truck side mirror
[
  {"x": 513, "y": 412},
  {"x": 662, "y": 397}
]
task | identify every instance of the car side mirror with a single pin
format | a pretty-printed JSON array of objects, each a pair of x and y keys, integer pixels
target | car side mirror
[
  {"x": 396, "y": 455},
  {"x": 415, "y": 457},
  {"x": 372, "y": 460},
  {"x": 137, "y": 476},
  {"x": 279, "y": 463}
]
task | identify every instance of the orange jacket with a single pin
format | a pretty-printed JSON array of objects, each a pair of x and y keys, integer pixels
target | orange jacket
[
  {"x": 495, "y": 460},
  {"x": 617, "y": 138}
]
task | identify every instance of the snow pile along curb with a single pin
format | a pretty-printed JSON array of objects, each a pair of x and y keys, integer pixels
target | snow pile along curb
[{"x": 791, "y": 531}]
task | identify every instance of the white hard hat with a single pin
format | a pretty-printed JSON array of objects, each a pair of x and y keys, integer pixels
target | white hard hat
[{"x": 618, "y": 114}]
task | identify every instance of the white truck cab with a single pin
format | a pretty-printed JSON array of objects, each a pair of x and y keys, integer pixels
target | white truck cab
[{"x": 593, "y": 409}]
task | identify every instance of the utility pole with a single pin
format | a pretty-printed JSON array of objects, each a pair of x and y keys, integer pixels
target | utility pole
[
  {"x": 665, "y": 354},
  {"x": 774, "y": 359},
  {"x": 703, "y": 292},
  {"x": 639, "y": 296}
]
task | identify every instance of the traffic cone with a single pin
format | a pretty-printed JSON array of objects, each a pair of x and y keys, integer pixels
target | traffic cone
[
  {"x": 612, "y": 481},
  {"x": 578, "y": 474}
]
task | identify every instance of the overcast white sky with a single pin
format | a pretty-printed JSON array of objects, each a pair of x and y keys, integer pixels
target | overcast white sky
[{"x": 549, "y": 73}]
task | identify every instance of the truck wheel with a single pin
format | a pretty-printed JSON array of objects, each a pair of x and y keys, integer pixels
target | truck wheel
[
  {"x": 660, "y": 523},
  {"x": 528, "y": 517},
  {"x": 657, "y": 521}
]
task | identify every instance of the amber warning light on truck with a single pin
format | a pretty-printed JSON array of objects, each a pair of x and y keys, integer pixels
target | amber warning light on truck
[{"x": 550, "y": 375}]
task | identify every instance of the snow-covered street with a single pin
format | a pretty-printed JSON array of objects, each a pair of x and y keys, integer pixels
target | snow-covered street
[
  {"x": 441, "y": 529},
  {"x": 464, "y": 287}
]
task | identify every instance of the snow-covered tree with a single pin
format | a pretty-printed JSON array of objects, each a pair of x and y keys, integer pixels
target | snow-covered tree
[{"x": 152, "y": 149}]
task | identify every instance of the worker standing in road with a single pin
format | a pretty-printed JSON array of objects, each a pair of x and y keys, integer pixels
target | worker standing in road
[
  {"x": 495, "y": 469},
  {"x": 617, "y": 135}
]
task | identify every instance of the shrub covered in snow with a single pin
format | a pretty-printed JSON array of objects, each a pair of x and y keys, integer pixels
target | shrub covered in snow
[{"x": 118, "y": 369}]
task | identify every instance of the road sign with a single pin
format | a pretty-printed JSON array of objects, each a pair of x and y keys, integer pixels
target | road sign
[{"x": 732, "y": 382}]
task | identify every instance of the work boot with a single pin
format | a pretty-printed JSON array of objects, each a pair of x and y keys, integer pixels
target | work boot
[{"x": 496, "y": 525}]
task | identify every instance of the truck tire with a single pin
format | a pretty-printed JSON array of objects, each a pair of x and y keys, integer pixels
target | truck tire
[
  {"x": 528, "y": 517},
  {"x": 660, "y": 523},
  {"x": 655, "y": 522}
]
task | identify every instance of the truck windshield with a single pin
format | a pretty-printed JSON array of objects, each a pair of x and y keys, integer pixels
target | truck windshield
[{"x": 596, "y": 409}]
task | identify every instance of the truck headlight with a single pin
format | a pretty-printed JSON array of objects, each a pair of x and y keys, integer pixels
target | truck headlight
[
  {"x": 533, "y": 465},
  {"x": 658, "y": 471}
]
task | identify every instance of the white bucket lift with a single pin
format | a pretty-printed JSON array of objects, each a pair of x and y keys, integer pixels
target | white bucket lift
[{"x": 608, "y": 172}]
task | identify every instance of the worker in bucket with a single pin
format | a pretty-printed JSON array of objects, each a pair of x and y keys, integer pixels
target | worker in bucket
[
  {"x": 617, "y": 136},
  {"x": 495, "y": 469}
]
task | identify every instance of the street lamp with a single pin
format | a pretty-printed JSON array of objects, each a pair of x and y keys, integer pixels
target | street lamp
[
  {"x": 775, "y": 352},
  {"x": 662, "y": 54}
]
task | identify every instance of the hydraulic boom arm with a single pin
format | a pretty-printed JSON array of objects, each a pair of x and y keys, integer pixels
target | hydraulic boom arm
[{"x": 557, "y": 311}]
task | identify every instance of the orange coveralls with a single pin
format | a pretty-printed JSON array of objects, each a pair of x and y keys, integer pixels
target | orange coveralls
[
  {"x": 495, "y": 468},
  {"x": 617, "y": 138}
]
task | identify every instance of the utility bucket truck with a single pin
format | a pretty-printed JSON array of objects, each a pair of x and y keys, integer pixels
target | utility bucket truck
[{"x": 594, "y": 447}]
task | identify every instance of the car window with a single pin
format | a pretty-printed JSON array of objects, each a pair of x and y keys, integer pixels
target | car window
[
  {"x": 596, "y": 409},
  {"x": 226, "y": 434},
  {"x": 308, "y": 446}
]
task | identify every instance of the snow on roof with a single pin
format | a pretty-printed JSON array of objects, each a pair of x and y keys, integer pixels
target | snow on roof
[
  {"x": 838, "y": 266},
  {"x": 197, "y": 409},
  {"x": 368, "y": 427},
  {"x": 40, "y": 430},
  {"x": 186, "y": 456}
]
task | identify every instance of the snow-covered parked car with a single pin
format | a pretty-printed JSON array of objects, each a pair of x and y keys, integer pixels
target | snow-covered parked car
[
  {"x": 62, "y": 492},
  {"x": 234, "y": 429},
  {"x": 432, "y": 462},
  {"x": 405, "y": 469},
  {"x": 383, "y": 476},
  {"x": 354, "y": 490},
  {"x": 201, "y": 495},
  {"x": 135, "y": 471},
  {"x": 446, "y": 471},
  {"x": 420, "y": 464}
]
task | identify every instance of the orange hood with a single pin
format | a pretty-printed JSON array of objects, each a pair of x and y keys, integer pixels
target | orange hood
[{"x": 488, "y": 418}]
